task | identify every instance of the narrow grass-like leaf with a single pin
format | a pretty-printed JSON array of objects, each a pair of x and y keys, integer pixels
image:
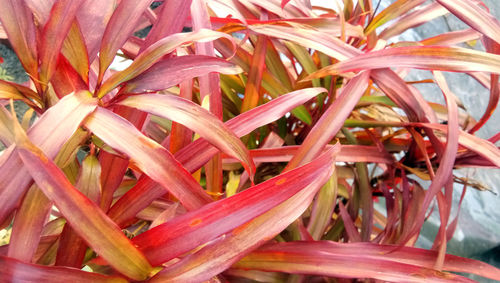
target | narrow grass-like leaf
[
  {"x": 421, "y": 16},
  {"x": 332, "y": 121},
  {"x": 445, "y": 170},
  {"x": 348, "y": 153},
  {"x": 356, "y": 260},
  {"x": 17, "y": 271},
  {"x": 75, "y": 50},
  {"x": 309, "y": 38},
  {"x": 54, "y": 32},
  {"x": 121, "y": 25},
  {"x": 72, "y": 248},
  {"x": 172, "y": 71},
  {"x": 452, "y": 37},
  {"x": 28, "y": 224},
  {"x": 84, "y": 216},
  {"x": 170, "y": 20},
  {"x": 220, "y": 217},
  {"x": 396, "y": 9},
  {"x": 454, "y": 59},
  {"x": 62, "y": 120},
  {"x": 153, "y": 159},
  {"x": 93, "y": 18},
  {"x": 199, "y": 152},
  {"x": 473, "y": 15},
  {"x": 197, "y": 119},
  {"x": 252, "y": 87},
  {"x": 151, "y": 55},
  {"x": 221, "y": 253},
  {"x": 17, "y": 21}
]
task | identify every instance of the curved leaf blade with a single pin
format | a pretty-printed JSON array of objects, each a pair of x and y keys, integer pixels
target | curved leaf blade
[
  {"x": 220, "y": 254},
  {"x": 474, "y": 16},
  {"x": 168, "y": 240},
  {"x": 172, "y": 71},
  {"x": 338, "y": 260},
  {"x": 195, "y": 155},
  {"x": 16, "y": 271},
  {"x": 153, "y": 53},
  {"x": 120, "y": 26},
  {"x": 62, "y": 120},
  {"x": 454, "y": 59},
  {"x": 153, "y": 159},
  {"x": 197, "y": 119},
  {"x": 84, "y": 216}
]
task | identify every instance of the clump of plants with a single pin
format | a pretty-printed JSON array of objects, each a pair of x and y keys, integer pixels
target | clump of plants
[{"x": 251, "y": 148}]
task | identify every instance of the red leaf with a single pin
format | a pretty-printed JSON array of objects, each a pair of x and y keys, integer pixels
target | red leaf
[
  {"x": 220, "y": 217},
  {"x": 172, "y": 71},
  {"x": 197, "y": 119},
  {"x": 54, "y": 32},
  {"x": 362, "y": 260},
  {"x": 84, "y": 216},
  {"x": 153, "y": 159},
  {"x": 16, "y": 271},
  {"x": 219, "y": 254},
  {"x": 199, "y": 152},
  {"x": 119, "y": 28}
]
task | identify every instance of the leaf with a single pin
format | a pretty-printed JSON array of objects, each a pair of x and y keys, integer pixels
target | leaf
[
  {"x": 49, "y": 133},
  {"x": 452, "y": 37},
  {"x": 153, "y": 53},
  {"x": 72, "y": 248},
  {"x": 441, "y": 58},
  {"x": 331, "y": 121},
  {"x": 153, "y": 159},
  {"x": 197, "y": 119},
  {"x": 172, "y": 71},
  {"x": 195, "y": 155},
  {"x": 309, "y": 38},
  {"x": 28, "y": 224},
  {"x": 356, "y": 260},
  {"x": 253, "y": 84},
  {"x": 396, "y": 9},
  {"x": 54, "y": 32},
  {"x": 493, "y": 47},
  {"x": 414, "y": 19},
  {"x": 84, "y": 216},
  {"x": 75, "y": 50},
  {"x": 444, "y": 173},
  {"x": 348, "y": 153},
  {"x": 171, "y": 20},
  {"x": 168, "y": 240},
  {"x": 119, "y": 28},
  {"x": 17, "y": 21},
  {"x": 16, "y": 271},
  {"x": 93, "y": 18},
  {"x": 221, "y": 253},
  {"x": 470, "y": 13},
  {"x": 405, "y": 96}
]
